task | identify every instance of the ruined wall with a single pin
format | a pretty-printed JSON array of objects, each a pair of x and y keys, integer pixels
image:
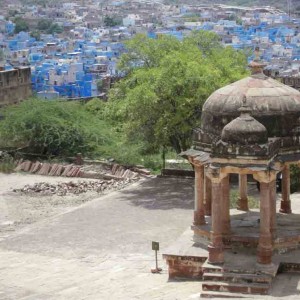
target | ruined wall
[{"x": 15, "y": 85}]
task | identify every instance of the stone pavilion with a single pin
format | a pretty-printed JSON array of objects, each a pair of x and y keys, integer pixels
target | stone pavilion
[{"x": 250, "y": 128}]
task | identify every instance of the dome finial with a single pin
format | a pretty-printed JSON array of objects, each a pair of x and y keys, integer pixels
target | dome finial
[{"x": 256, "y": 65}]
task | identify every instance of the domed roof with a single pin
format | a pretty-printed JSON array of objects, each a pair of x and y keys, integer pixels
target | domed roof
[
  {"x": 275, "y": 105},
  {"x": 264, "y": 95},
  {"x": 244, "y": 130}
]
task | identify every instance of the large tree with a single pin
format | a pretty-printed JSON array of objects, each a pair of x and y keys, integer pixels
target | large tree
[
  {"x": 161, "y": 97},
  {"x": 21, "y": 25}
]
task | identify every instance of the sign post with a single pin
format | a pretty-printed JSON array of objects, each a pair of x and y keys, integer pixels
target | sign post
[{"x": 155, "y": 247}]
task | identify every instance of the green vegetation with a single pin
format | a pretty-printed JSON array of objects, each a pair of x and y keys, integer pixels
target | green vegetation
[
  {"x": 295, "y": 178},
  {"x": 149, "y": 112},
  {"x": 62, "y": 128},
  {"x": 52, "y": 128},
  {"x": 49, "y": 27},
  {"x": 36, "y": 34},
  {"x": 111, "y": 22},
  {"x": 55, "y": 28},
  {"x": 160, "y": 100},
  {"x": 234, "y": 197},
  {"x": 7, "y": 164},
  {"x": 44, "y": 24},
  {"x": 2, "y": 55},
  {"x": 21, "y": 25}
]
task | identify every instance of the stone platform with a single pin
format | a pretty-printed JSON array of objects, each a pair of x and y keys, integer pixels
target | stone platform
[
  {"x": 240, "y": 274},
  {"x": 245, "y": 231}
]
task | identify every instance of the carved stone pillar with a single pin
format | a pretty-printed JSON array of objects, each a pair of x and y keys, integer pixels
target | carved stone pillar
[
  {"x": 265, "y": 249},
  {"x": 285, "y": 205},
  {"x": 216, "y": 247},
  {"x": 273, "y": 224},
  {"x": 243, "y": 199},
  {"x": 207, "y": 196},
  {"x": 199, "y": 217},
  {"x": 225, "y": 204}
]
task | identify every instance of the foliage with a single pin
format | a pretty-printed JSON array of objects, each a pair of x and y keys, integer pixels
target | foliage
[
  {"x": 12, "y": 12},
  {"x": 6, "y": 163},
  {"x": 55, "y": 28},
  {"x": 2, "y": 56},
  {"x": 36, "y": 34},
  {"x": 99, "y": 85},
  {"x": 111, "y": 22},
  {"x": 234, "y": 197},
  {"x": 44, "y": 24},
  {"x": 21, "y": 25},
  {"x": 95, "y": 106},
  {"x": 160, "y": 100},
  {"x": 52, "y": 128},
  {"x": 295, "y": 178}
]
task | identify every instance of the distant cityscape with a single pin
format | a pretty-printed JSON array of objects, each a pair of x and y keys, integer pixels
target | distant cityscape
[{"x": 73, "y": 48}]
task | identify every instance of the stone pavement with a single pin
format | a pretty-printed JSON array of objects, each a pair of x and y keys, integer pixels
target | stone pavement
[{"x": 102, "y": 249}]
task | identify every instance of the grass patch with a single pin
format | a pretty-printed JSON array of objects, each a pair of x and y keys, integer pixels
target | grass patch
[{"x": 7, "y": 164}]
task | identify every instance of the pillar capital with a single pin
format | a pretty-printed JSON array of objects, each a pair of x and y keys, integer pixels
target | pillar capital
[
  {"x": 216, "y": 174},
  {"x": 195, "y": 162},
  {"x": 265, "y": 176}
]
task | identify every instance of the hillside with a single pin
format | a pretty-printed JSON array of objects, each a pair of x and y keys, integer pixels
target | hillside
[{"x": 279, "y": 4}]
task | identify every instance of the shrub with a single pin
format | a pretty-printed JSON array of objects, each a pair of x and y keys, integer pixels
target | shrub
[
  {"x": 52, "y": 128},
  {"x": 6, "y": 163}
]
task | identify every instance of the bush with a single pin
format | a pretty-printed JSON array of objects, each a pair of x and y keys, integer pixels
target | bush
[
  {"x": 6, "y": 163},
  {"x": 52, "y": 128}
]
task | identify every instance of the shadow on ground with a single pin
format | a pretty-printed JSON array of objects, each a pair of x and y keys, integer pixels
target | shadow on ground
[
  {"x": 162, "y": 193},
  {"x": 290, "y": 287}
]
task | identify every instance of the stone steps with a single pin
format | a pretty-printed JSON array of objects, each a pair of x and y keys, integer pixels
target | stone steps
[
  {"x": 225, "y": 281},
  {"x": 237, "y": 277},
  {"x": 243, "y": 288},
  {"x": 212, "y": 294}
]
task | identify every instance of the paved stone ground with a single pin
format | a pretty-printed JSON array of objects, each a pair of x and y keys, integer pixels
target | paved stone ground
[{"x": 102, "y": 249}]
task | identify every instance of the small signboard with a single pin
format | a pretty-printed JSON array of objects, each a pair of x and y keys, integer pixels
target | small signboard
[{"x": 155, "y": 246}]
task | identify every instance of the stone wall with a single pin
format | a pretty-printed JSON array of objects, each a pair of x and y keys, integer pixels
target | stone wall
[{"x": 15, "y": 85}]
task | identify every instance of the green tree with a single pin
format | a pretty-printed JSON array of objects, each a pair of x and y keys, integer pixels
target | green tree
[
  {"x": 21, "y": 25},
  {"x": 2, "y": 55},
  {"x": 55, "y": 28},
  {"x": 111, "y": 22},
  {"x": 161, "y": 98},
  {"x": 44, "y": 24},
  {"x": 36, "y": 34}
]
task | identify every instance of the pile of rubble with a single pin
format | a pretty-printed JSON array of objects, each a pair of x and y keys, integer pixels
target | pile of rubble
[{"x": 64, "y": 188}]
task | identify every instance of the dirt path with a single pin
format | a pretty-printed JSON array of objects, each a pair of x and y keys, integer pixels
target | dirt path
[{"x": 19, "y": 209}]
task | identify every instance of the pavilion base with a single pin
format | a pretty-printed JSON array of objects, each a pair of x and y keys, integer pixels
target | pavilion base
[{"x": 240, "y": 274}]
